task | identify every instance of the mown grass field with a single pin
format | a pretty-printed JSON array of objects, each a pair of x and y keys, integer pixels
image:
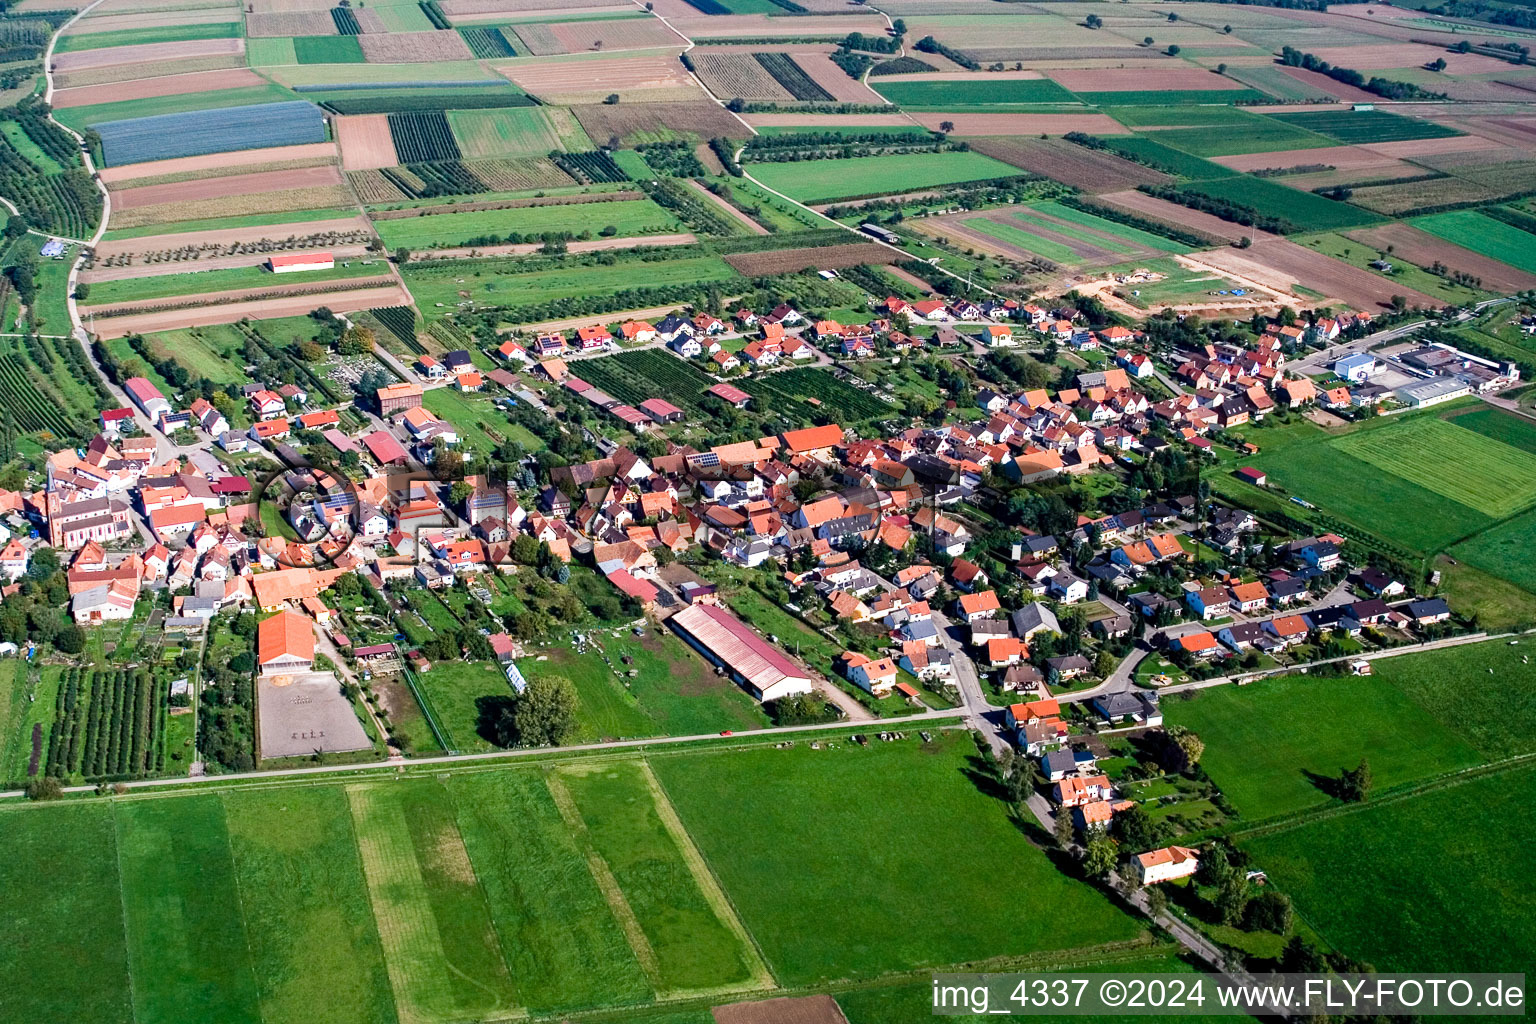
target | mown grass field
[
  {"x": 555, "y": 889},
  {"x": 920, "y": 842},
  {"x": 1451, "y": 863},
  {"x": 1311, "y": 464},
  {"x": 1481, "y": 472},
  {"x": 135, "y": 289},
  {"x": 627, "y": 217},
  {"x": 499, "y": 283},
  {"x": 1268, "y": 744},
  {"x": 508, "y": 132},
  {"x": 254, "y": 220},
  {"x": 1483, "y": 234},
  {"x": 812, "y": 181}
]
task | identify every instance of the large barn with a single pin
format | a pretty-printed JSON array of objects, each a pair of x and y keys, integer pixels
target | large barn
[
  {"x": 762, "y": 670},
  {"x": 285, "y": 644}
]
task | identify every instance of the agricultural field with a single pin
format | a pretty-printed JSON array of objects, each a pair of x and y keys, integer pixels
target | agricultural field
[
  {"x": 510, "y": 132},
  {"x": 423, "y": 137},
  {"x": 1481, "y": 472},
  {"x": 626, "y": 218},
  {"x": 1482, "y": 234},
  {"x": 1320, "y": 469},
  {"x": 916, "y": 808},
  {"x": 195, "y": 133},
  {"x": 1340, "y": 870},
  {"x": 1360, "y": 255},
  {"x": 1064, "y": 235},
  {"x": 1107, "y": 99},
  {"x": 1147, "y": 150},
  {"x": 943, "y": 95},
  {"x": 1306, "y": 211},
  {"x": 138, "y": 289},
  {"x": 1261, "y": 134},
  {"x": 823, "y": 180},
  {"x": 500, "y": 283},
  {"x": 804, "y": 394},
  {"x": 1364, "y": 126},
  {"x": 1273, "y": 746}
]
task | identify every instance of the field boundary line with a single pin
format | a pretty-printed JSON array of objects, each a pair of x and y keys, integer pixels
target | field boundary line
[
  {"x": 709, "y": 885},
  {"x": 375, "y": 855},
  {"x": 234, "y": 869},
  {"x": 122, "y": 904},
  {"x": 607, "y": 884}
]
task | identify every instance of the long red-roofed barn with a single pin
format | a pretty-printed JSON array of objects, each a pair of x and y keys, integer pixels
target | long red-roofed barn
[{"x": 761, "y": 669}]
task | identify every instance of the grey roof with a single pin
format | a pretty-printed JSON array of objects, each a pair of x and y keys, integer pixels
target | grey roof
[
  {"x": 1059, "y": 761},
  {"x": 1035, "y": 616},
  {"x": 1432, "y": 606}
]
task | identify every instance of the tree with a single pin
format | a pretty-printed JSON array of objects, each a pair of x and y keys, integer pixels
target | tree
[
  {"x": 402, "y": 255},
  {"x": 611, "y": 99},
  {"x": 460, "y": 492},
  {"x": 1136, "y": 829},
  {"x": 1173, "y": 50},
  {"x": 1157, "y": 902},
  {"x": 356, "y": 340},
  {"x": 1064, "y": 831},
  {"x": 1355, "y": 783},
  {"x": 1148, "y": 41},
  {"x": 1104, "y": 664},
  {"x": 545, "y": 712},
  {"x": 1093, "y": 21},
  {"x": 44, "y": 787},
  {"x": 1221, "y": 69},
  {"x": 70, "y": 639},
  {"x": 1100, "y": 854},
  {"x": 1270, "y": 911},
  {"x": 44, "y": 563},
  {"x": 83, "y": 290},
  {"x": 1232, "y": 899},
  {"x": 1191, "y": 745},
  {"x": 946, "y": 126}
]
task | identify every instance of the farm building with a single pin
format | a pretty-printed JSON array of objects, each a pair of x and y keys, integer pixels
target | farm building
[
  {"x": 1167, "y": 863},
  {"x": 52, "y": 249},
  {"x": 384, "y": 448},
  {"x": 146, "y": 396},
  {"x": 284, "y": 644},
  {"x": 1257, "y": 477},
  {"x": 725, "y": 640},
  {"x": 297, "y": 262}
]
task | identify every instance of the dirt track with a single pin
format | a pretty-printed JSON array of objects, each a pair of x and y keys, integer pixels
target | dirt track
[{"x": 231, "y": 312}]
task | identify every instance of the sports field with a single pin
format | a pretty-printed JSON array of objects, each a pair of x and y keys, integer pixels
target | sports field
[
  {"x": 1473, "y": 230},
  {"x": 1453, "y": 864},
  {"x": 625, "y": 217},
  {"x": 936, "y": 94},
  {"x": 1269, "y": 744},
  {"x": 812, "y": 181},
  {"x": 485, "y": 893},
  {"x": 1495, "y": 478}
]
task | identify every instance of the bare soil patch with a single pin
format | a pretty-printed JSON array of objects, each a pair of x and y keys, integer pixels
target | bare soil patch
[
  {"x": 592, "y": 80},
  {"x": 235, "y": 310},
  {"x": 145, "y": 53},
  {"x": 234, "y": 185},
  {"x": 365, "y": 141},
  {"x": 620, "y": 34},
  {"x": 164, "y": 85},
  {"x": 1138, "y": 79},
  {"x": 414, "y": 47},
  {"x": 1181, "y": 216},
  {"x": 1423, "y": 249},
  {"x": 831, "y": 257},
  {"x": 217, "y": 161},
  {"x": 1282, "y": 265},
  {"x": 279, "y": 24},
  {"x": 1025, "y": 124},
  {"x": 325, "y": 197},
  {"x": 821, "y": 1009},
  {"x": 1091, "y": 170},
  {"x": 704, "y": 118},
  {"x": 135, "y": 72},
  {"x": 1412, "y": 149},
  {"x": 834, "y": 79}
]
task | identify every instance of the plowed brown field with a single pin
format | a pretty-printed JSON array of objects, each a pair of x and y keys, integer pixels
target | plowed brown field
[
  {"x": 144, "y": 53},
  {"x": 1092, "y": 170},
  {"x": 615, "y": 34},
  {"x": 165, "y": 85},
  {"x": 365, "y": 142},
  {"x": 834, "y": 79},
  {"x": 234, "y": 185},
  {"x": 1282, "y": 265},
  {"x": 1423, "y": 249},
  {"x": 1180, "y": 216}
]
